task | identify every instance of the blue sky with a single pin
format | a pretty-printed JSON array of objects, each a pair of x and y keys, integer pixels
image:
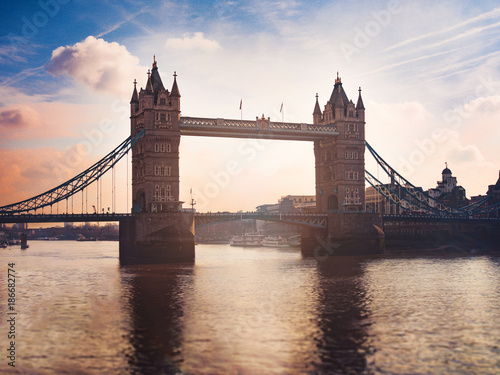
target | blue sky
[{"x": 429, "y": 72}]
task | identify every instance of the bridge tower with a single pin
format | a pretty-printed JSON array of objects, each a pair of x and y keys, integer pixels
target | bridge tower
[
  {"x": 159, "y": 232},
  {"x": 340, "y": 181},
  {"x": 155, "y": 157},
  {"x": 340, "y": 161}
]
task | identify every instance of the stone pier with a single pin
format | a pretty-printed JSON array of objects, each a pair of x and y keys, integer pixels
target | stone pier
[
  {"x": 165, "y": 237},
  {"x": 352, "y": 233}
]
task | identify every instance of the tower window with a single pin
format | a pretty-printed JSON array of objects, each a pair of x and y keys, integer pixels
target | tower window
[
  {"x": 163, "y": 117},
  {"x": 351, "y": 175},
  {"x": 163, "y": 101}
]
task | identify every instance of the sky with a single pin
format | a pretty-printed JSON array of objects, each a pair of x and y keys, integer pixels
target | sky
[{"x": 429, "y": 74}]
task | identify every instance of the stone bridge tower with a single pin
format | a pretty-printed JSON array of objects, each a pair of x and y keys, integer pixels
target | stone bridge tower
[
  {"x": 340, "y": 161},
  {"x": 340, "y": 182},
  {"x": 159, "y": 232},
  {"x": 155, "y": 157}
]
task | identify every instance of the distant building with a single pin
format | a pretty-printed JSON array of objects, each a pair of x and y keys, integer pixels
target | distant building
[
  {"x": 448, "y": 192},
  {"x": 375, "y": 202},
  {"x": 494, "y": 191},
  {"x": 493, "y": 194},
  {"x": 301, "y": 202},
  {"x": 448, "y": 183}
]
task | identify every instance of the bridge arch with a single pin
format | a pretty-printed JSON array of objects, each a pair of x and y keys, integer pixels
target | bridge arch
[
  {"x": 332, "y": 203},
  {"x": 140, "y": 202}
]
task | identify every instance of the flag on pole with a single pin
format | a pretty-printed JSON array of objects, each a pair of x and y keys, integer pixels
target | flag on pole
[
  {"x": 281, "y": 109},
  {"x": 241, "y": 102}
]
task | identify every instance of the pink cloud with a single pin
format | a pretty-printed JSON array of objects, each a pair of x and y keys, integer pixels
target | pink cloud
[{"x": 93, "y": 63}]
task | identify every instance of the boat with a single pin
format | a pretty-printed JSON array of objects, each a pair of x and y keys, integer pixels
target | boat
[
  {"x": 294, "y": 240},
  {"x": 273, "y": 241},
  {"x": 81, "y": 237},
  {"x": 247, "y": 240}
]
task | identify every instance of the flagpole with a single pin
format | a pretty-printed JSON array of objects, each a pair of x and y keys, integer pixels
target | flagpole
[{"x": 241, "y": 109}]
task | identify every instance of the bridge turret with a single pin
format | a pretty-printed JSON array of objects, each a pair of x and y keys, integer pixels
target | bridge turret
[
  {"x": 360, "y": 107},
  {"x": 134, "y": 101},
  {"x": 317, "y": 112},
  {"x": 175, "y": 95}
]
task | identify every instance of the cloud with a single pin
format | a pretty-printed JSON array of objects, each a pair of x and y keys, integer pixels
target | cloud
[
  {"x": 20, "y": 116},
  {"x": 467, "y": 153},
  {"x": 197, "y": 41},
  {"x": 94, "y": 63},
  {"x": 28, "y": 172}
]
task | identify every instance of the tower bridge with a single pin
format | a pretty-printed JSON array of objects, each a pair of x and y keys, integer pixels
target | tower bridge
[{"x": 158, "y": 230}]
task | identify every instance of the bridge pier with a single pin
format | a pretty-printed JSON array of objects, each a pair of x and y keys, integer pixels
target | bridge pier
[
  {"x": 348, "y": 233},
  {"x": 165, "y": 237}
]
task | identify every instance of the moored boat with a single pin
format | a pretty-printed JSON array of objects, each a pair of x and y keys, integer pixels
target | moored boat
[
  {"x": 273, "y": 241},
  {"x": 247, "y": 240}
]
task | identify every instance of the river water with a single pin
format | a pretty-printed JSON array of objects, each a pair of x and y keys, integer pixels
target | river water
[{"x": 250, "y": 311}]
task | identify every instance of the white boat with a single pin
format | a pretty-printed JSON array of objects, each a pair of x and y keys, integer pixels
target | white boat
[
  {"x": 294, "y": 241},
  {"x": 247, "y": 240},
  {"x": 274, "y": 242}
]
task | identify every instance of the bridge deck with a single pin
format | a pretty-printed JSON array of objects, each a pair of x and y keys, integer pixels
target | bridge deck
[
  {"x": 201, "y": 219},
  {"x": 260, "y": 128},
  {"x": 310, "y": 220},
  {"x": 62, "y": 218}
]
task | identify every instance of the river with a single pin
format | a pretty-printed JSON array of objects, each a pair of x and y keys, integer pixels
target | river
[{"x": 249, "y": 311}]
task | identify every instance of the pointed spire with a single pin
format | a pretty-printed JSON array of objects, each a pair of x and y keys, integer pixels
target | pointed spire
[
  {"x": 338, "y": 80},
  {"x": 175, "y": 89},
  {"x": 317, "y": 109},
  {"x": 360, "y": 104},
  {"x": 135, "y": 98},
  {"x": 154, "y": 62}
]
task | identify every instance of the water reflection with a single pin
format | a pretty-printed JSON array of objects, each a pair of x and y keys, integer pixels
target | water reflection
[
  {"x": 154, "y": 303},
  {"x": 249, "y": 311},
  {"x": 343, "y": 317}
]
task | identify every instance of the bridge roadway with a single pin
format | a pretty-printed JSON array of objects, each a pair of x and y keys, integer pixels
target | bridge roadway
[
  {"x": 310, "y": 220},
  {"x": 62, "y": 218},
  {"x": 439, "y": 218},
  {"x": 259, "y": 128},
  {"x": 202, "y": 219}
]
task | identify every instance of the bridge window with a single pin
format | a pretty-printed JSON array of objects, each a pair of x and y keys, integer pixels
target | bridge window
[
  {"x": 351, "y": 175},
  {"x": 332, "y": 203},
  {"x": 352, "y": 128},
  {"x": 351, "y": 155},
  {"x": 163, "y": 171}
]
